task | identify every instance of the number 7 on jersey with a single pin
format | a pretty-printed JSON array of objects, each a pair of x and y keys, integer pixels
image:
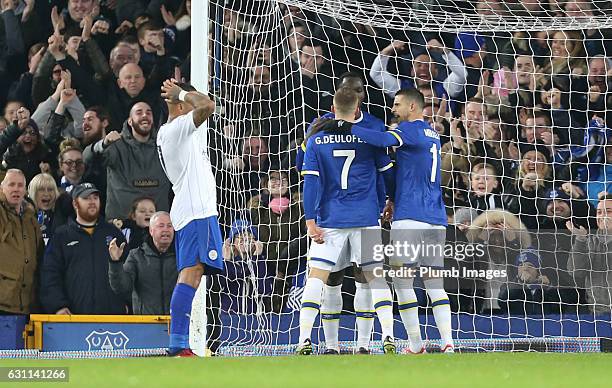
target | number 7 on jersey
[{"x": 350, "y": 156}]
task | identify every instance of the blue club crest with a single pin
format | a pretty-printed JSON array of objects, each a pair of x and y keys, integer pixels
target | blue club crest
[{"x": 106, "y": 340}]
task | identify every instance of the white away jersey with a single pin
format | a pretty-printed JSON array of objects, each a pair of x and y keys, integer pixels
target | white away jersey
[{"x": 183, "y": 153}]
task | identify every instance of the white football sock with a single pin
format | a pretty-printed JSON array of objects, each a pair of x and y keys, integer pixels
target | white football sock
[
  {"x": 441, "y": 309},
  {"x": 383, "y": 305},
  {"x": 409, "y": 311},
  {"x": 364, "y": 311},
  {"x": 331, "y": 308},
  {"x": 311, "y": 303}
]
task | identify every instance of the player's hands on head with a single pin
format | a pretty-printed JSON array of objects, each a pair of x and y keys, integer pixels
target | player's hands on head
[{"x": 170, "y": 90}]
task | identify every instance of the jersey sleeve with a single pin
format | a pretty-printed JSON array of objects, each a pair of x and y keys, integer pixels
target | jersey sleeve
[
  {"x": 406, "y": 133},
  {"x": 299, "y": 157},
  {"x": 311, "y": 162},
  {"x": 376, "y": 138},
  {"x": 383, "y": 161}
]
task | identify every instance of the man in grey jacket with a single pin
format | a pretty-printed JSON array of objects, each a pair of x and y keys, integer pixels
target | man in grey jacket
[
  {"x": 133, "y": 168},
  {"x": 149, "y": 272},
  {"x": 591, "y": 258}
]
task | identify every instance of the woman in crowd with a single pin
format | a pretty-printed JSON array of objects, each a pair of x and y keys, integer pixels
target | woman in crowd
[{"x": 43, "y": 192}]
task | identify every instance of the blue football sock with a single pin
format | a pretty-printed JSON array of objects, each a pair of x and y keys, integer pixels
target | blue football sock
[{"x": 180, "y": 311}]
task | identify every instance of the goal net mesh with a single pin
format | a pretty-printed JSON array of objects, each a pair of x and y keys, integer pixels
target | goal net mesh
[{"x": 517, "y": 90}]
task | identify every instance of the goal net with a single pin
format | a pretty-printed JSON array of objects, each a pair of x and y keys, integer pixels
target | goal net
[{"x": 518, "y": 92}]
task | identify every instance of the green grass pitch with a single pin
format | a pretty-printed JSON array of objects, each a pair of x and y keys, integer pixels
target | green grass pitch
[{"x": 491, "y": 370}]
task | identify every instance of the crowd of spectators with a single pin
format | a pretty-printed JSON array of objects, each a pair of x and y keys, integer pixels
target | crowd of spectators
[{"x": 522, "y": 116}]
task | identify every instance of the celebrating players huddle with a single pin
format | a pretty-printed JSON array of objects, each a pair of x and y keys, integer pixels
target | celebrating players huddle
[{"x": 344, "y": 167}]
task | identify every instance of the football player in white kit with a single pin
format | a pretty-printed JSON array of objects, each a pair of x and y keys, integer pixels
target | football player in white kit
[{"x": 183, "y": 151}]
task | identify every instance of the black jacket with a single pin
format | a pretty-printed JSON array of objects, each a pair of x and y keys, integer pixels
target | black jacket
[
  {"x": 150, "y": 276},
  {"x": 75, "y": 271}
]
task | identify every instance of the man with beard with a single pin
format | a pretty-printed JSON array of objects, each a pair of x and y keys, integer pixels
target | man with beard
[
  {"x": 149, "y": 272},
  {"x": 96, "y": 125},
  {"x": 74, "y": 276},
  {"x": 96, "y": 121},
  {"x": 133, "y": 169}
]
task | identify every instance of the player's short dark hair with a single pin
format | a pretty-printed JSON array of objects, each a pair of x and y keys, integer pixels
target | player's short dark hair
[
  {"x": 345, "y": 100},
  {"x": 186, "y": 87},
  {"x": 412, "y": 95},
  {"x": 352, "y": 75}
]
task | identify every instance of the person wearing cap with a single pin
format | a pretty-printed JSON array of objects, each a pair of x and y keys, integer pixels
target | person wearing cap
[
  {"x": 74, "y": 276},
  {"x": 591, "y": 258},
  {"x": 21, "y": 246},
  {"x": 149, "y": 273},
  {"x": 562, "y": 203},
  {"x": 26, "y": 150}
]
